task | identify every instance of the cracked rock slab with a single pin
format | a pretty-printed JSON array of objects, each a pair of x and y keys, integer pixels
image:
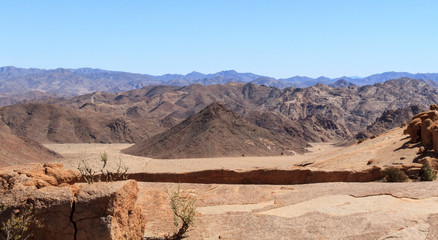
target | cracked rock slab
[
  {"x": 311, "y": 211},
  {"x": 72, "y": 211}
]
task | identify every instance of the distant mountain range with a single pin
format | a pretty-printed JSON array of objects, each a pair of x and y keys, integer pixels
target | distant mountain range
[{"x": 72, "y": 82}]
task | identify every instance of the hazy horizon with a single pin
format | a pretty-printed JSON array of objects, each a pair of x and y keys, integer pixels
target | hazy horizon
[{"x": 226, "y": 70}]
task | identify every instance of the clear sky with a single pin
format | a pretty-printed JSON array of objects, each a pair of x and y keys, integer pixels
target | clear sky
[{"x": 273, "y": 38}]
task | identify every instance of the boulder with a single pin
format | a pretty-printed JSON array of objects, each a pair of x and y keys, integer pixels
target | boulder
[
  {"x": 70, "y": 210},
  {"x": 432, "y": 115},
  {"x": 426, "y": 135},
  {"x": 420, "y": 116},
  {"x": 414, "y": 129},
  {"x": 434, "y": 131},
  {"x": 424, "y": 127}
]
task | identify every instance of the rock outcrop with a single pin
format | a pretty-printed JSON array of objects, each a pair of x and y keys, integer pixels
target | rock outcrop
[
  {"x": 424, "y": 128},
  {"x": 70, "y": 210}
]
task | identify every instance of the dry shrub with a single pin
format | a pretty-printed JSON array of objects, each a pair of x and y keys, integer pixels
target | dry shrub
[
  {"x": 394, "y": 174},
  {"x": 90, "y": 175}
]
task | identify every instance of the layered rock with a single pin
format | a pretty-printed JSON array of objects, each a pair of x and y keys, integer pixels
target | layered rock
[{"x": 70, "y": 210}]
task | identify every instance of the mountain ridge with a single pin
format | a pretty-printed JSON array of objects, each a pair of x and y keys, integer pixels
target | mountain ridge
[{"x": 73, "y": 82}]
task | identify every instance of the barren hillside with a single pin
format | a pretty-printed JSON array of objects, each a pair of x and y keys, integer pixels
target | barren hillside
[
  {"x": 216, "y": 132},
  {"x": 14, "y": 150}
]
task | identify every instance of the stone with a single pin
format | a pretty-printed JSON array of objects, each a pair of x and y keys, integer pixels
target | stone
[
  {"x": 61, "y": 175},
  {"x": 434, "y": 131},
  {"x": 414, "y": 129},
  {"x": 426, "y": 135},
  {"x": 70, "y": 210},
  {"x": 432, "y": 115}
]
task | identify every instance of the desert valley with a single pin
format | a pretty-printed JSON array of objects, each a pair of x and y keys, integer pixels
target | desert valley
[{"x": 96, "y": 160}]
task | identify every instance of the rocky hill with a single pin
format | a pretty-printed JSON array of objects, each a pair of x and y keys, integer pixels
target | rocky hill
[
  {"x": 52, "y": 123},
  {"x": 215, "y": 132}
]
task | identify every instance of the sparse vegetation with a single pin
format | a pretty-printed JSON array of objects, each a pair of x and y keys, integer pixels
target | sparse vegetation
[
  {"x": 183, "y": 205},
  {"x": 360, "y": 140},
  {"x": 17, "y": 224},
  {"x": 427, "y": 173},
  {"x": 90, "y": 175},
  {"x": 86, "y": 171},
  {"x": 394, "y": 174}
]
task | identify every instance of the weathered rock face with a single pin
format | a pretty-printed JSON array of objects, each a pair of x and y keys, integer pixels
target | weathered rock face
[
  {"x": 72, "y": 211},
  {"x": 108, "y": 211},
  {"x": 426, "y": 135},
  {"x": 424, "y": 128},
  {"x": 434, "y": 131},
  {"x": 414, "y": 129}
]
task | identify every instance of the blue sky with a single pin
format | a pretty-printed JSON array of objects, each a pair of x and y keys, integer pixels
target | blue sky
[{"x": 273, "y": 38}]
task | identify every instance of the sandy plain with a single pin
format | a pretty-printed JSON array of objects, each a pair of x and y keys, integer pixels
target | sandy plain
[{"x": 387, "y": 149}]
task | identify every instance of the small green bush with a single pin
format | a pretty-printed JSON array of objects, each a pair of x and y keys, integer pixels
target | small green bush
[
  {"x": 394, "y": 174},
  {"x": 183, "y": 206},
  {"x": 18, "y": 224},
  {"x": 427, "y": 173}
]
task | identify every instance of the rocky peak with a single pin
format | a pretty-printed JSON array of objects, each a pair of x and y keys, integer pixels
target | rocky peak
[{"x": 214, "y": 111}]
